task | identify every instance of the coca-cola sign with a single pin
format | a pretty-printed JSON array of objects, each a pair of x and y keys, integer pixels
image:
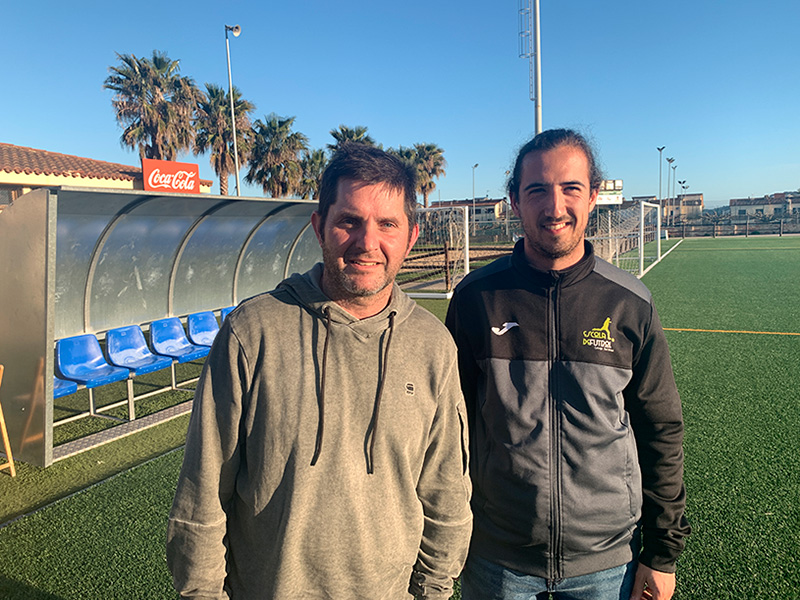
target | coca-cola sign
[{"x": 170, "y": 176}]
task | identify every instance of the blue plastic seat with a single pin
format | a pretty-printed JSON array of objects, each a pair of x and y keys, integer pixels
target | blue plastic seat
[
  {"x": 226, "y": 311},
  {"x": 126, "y": 347},
  {"x": 169, "y": 339},
  {"x": 81, "y": 360},
  {"x": 61, "y": 387},
  {"x": 203, "y": 328}
]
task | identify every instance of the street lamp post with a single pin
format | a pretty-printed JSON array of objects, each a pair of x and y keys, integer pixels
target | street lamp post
[
  {"x": 475, "y": 166},
  {"x": 670, "y": 161},
  {"x": 683, "y": 187},
  {"x": 236, "y": 30},
  {"x": 674, "y": 188},
  {"x": 660, "y": 207},
  {"x": 507, "y": 206}
]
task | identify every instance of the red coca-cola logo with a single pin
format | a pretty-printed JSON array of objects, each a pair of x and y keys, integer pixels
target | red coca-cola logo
[{"x": 170, "y": 176}]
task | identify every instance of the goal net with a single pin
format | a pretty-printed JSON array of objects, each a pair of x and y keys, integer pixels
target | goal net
[
  {"x": 629, "y": 238},
  {"x": 440, "y": 258}
]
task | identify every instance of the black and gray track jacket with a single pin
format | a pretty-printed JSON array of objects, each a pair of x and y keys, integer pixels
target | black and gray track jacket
[{"x": 575, "y": 420}]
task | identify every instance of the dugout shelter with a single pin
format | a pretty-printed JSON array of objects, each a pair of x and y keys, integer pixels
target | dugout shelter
[{"x": 81, "y": 260}]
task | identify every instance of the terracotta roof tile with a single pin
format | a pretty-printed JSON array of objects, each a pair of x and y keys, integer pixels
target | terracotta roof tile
[{"x": 19, "y": 159}]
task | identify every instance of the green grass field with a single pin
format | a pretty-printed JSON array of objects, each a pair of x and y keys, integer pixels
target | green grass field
[
  {"x": 740, "y": 399},
  {"x": 739, "y": 381}
]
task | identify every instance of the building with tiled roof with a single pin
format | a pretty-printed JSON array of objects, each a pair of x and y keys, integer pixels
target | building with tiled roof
[
  {"x": 485, "y": 209},
  {"x": 779, "y": 204},
  {"x": 24, "y": 169}
]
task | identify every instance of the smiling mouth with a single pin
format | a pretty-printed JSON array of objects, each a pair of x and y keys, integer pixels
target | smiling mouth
[
  {"x": 557, "y": 226},
  {"x": 364, "y": 263}
]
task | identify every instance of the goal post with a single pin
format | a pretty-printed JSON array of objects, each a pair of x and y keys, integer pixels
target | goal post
[
  {"x": 629, "y": 238},
  {"x": 647, "y": 231},
  {"x": 440, "y": 258}
]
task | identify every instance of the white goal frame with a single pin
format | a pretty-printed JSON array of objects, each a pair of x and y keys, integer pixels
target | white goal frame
[
  {"x": 623, "y": 234},
  {"x": 441, "y": 281}
]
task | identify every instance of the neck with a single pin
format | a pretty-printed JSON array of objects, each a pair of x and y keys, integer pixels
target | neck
[{"x": 361, "y": 307}]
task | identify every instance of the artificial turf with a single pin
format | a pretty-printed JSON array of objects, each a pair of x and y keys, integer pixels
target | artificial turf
[{"x": 741, "y": 410}]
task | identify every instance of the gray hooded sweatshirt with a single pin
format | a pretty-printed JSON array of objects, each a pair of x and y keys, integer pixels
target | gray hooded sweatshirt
[{"x": 326, "y": 456}]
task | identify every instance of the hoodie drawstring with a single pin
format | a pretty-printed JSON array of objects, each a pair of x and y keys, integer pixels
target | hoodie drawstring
[
  {"x": 321, "y": 400},
  {"x": 373, "y": 426}
]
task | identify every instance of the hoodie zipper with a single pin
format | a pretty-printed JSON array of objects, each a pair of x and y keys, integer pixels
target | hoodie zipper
[{"x": 556, "y": 567}]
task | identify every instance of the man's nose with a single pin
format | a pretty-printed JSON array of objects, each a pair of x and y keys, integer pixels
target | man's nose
[
  {"x": 555, "y": 204},
  {"x": 368, "y": 236}
]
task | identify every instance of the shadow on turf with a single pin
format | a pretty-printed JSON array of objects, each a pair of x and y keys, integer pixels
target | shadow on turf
[{"x": 15, "y": 590}]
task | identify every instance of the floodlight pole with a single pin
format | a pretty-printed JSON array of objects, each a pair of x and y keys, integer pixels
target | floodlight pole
[
  {"x": 236, "y": 31},
  {"x": 530, "y": 48}
]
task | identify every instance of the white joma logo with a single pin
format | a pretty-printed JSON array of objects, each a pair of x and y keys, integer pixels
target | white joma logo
[{"x": 506, "y": 327}]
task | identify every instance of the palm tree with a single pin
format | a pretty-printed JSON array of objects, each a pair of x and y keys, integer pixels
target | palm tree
[
  {"x": 154, "y": 104},
  {"x": 407, "y": 155},
  {"x": 350, "y": 134},
  {"x": 313, "y": 164},
  {"x": 428, "y": 161},
  {"x": 275, "y": 156},
  {"x": 430, "y": 164},
  {"x": 215, "y": 134}
]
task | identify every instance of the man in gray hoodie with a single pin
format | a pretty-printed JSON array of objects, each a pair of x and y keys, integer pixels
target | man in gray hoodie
[{"x": 327, "y": 454}]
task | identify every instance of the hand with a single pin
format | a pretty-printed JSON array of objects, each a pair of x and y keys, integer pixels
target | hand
[{"x": 660, "y": 586}]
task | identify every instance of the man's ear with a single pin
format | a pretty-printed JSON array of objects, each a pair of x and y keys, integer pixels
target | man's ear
[
  {"x": 317, "y": 224},
  {"x": 412, "y": 239},
  {"x": 593, "y": 200},
  {"x": 515, "y": 206}
]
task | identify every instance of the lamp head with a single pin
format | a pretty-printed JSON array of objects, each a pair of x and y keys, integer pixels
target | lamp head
[{"x": 235, "y": 30}]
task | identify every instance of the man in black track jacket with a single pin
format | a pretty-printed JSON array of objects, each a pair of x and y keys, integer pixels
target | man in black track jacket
[{"x": 575, "y": 420}]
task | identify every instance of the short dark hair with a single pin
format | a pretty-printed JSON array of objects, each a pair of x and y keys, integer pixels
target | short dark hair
[
  {"x": 548, "y": 140},
  {"x": 360, "y": 162}
]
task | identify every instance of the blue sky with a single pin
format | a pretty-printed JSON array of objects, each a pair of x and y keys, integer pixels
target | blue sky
[{"x": 715, "y": 81}]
